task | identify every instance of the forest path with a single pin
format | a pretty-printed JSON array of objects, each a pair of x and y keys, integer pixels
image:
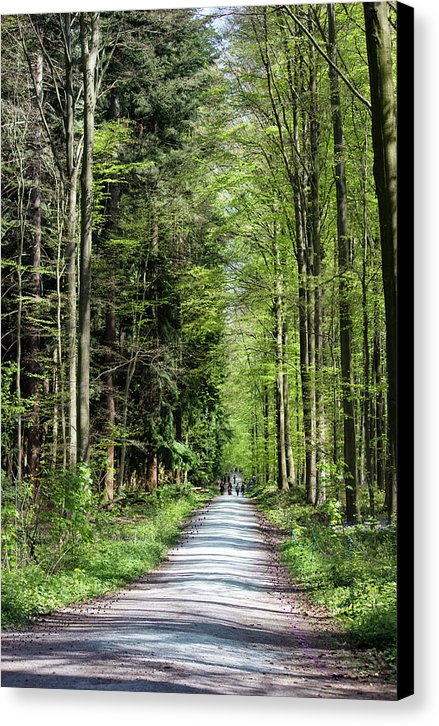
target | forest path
[{"x": 216, "y": 617}]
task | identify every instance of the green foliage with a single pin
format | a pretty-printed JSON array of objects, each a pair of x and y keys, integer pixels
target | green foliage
[
  {"x": 63, "y": 519},
  {"x": 350, "y": 570},
  {"x": 12, "y": 405},
  {"x": 126, "y": 544}
]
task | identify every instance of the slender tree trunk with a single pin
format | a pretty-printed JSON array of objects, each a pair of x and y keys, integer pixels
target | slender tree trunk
[
  {"x": 110, "y": 407},
  {"x": 110, "y": 329},
  {"x": 379, "y": 53},
  {"x": 309, "y": 469},
  {"x": 55, "y": 390},
  {"x": 344, "y": 266},
  {"x": 291, "y": 469},
  {"x": 58, "y": 354},
  {"x": 379, "y": 411},
  {"x": 72, "y": 171},
  {"x": 266, "y": 418},
  {"x": 282, "y": 477},
  {"x": 71, "y": 252},
  {"x": 314, "y": 226},
  {"x": 34, "y": 432},
  {"x": 130, "y": 373},
  {"x": 22, "y": 231},
  {"x": 90, "y": 32},
  {"x": 153, "y": 473},
  {"x": 311, "y": 453},
  {"x": 368, "y": 469}
]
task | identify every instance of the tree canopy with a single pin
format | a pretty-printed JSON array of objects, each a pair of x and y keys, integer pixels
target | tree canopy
[{"x": 199, "y": 253}]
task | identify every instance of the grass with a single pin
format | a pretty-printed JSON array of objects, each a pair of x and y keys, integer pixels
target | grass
[
  {"x": 351, "y": 571},
  {"x": 126, "y": 544}
]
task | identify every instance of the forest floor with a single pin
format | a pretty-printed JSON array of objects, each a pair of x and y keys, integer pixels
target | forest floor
[{"x": 218, "y": 616}]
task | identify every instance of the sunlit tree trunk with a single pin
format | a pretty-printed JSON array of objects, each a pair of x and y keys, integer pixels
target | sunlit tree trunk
[
  {"x": 379, "y": 53},
  {"x": 366, "y": 400},
  {"x": 266, "y": 419},
  {"x": 314, "y": 227},
  {"x": 90, "y": 33},
  {"x": 291, "y": 469},
  {"x": 344, "y": 267},
  {"x": 110, "y": 328},
  {"x": 32, "y": 339},
  {"x": 282, "y": 477}
]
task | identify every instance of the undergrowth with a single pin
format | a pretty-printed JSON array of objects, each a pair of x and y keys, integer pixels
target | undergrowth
[
  {"x": 124, "y": 544},
  {"x": 350, "y": 570}
]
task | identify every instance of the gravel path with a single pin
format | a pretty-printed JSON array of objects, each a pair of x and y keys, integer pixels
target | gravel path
[{"x": 218, "y": 616}]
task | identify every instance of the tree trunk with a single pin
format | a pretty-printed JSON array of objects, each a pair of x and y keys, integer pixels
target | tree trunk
[
  {"x": 34, "y": 431},
  {"x": 282, "y": 477},
  {"x": 18, "y": 376},
  {"x": 344, "y": 267},
  {"x": 314, "y": 227},
  {"x": 379, "y": 55},
  {"x": 266, "y": 418},
  {"x": 291, "y": 469},
  {"x": 72, "y": 167},
  {"x": 110, "y": 327},
  {"x": 366, "y": 367},
  {"x": 380, "y": 457},
  {"x": 153, "y": 473},
  {"x": 71, "y": 252},
  {"x": 110, "y": 407},
  {"x": 311, "y": 452},
  {"x": 90, "y": 31},
  {"x": 123, "y": 448}
]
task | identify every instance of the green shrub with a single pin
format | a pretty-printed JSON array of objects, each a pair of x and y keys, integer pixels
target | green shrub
[
  {"x": 122, "y": 547},
  {"x": 350, "y": 570}
]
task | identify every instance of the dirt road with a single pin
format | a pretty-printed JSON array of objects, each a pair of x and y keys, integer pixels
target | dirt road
[{"x": 216, "y": 617}]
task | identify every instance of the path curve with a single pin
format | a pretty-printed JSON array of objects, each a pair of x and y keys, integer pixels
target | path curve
[{"x": 216, "y": 617}]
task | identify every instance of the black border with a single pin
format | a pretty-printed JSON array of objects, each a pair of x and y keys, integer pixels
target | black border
[{"x": 405, "y": 333}]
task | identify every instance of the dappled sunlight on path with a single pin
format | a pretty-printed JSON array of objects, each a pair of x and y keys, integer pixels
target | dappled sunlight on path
[{"x": 213, "y": 618}]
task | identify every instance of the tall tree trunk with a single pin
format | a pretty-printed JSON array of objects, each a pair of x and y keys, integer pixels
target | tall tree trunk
[
  {"x": 72, "y": 171},
  {"x": 266, "y": 419},
  {"x": 314, "y": 227},
  {"x": 304, "y": 332},
  {"x": 90, "y": 33},
  {"x": 34, "y": 432},
  {"x": 344, "y": 267},
  {"x": 291, "y": 469},
  {"x": 282, "y": 477},
  {"x": 368, "y": 467},
  {"x": 110, "y": 407},
  {"x": 71, "y": 253},
  {"x": 311, "y": 452},
  {"x": 379, "y": 53},
  {"x": 22, "y": 231},
  {"x": 380, "y": 456},
  {"x": 123, "y": 448},
  {"x": 110, "y": 327}
]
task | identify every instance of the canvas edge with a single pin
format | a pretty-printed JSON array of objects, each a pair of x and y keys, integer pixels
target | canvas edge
[{"x": 405, "y": 333}]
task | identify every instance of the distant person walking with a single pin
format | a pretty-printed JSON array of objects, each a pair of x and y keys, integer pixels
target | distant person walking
[
  {"x": 237, "y": 489},
  {"x": 242, "y": 489}
]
